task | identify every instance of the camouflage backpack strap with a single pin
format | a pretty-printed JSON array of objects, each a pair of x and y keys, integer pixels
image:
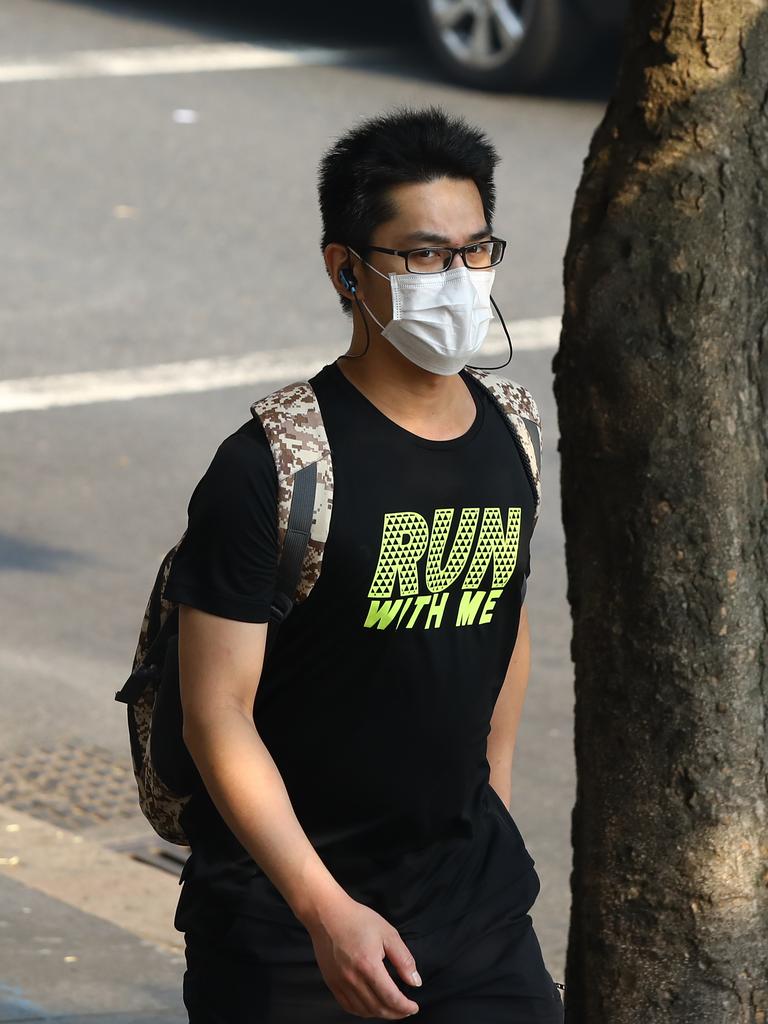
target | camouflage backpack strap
[
  {"x": 522, "y": 416},
  {"x": 151, "y": 692},
  {"x": 294, "y": 427}
]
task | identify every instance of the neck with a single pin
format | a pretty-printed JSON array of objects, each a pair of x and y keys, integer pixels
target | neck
[{"x": 397, "y": 385}]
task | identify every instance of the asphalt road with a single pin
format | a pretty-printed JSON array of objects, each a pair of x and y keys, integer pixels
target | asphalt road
[{"x": 167, "y": 217}]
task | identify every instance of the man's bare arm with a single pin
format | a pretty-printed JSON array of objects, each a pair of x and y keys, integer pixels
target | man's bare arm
[
  {"x": 220, "y": 662},
  {"x": 507, "y": 711}
]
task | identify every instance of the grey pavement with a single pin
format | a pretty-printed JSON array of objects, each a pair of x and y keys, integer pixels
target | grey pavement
[
  {"x": 58, "y": 962},
  {"x": 86, "y": 931}
]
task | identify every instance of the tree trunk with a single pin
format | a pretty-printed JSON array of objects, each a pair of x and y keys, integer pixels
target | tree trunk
[{"x": 661, "y": 381}]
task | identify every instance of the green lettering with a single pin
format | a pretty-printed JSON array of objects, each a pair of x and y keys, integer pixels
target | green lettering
[
  {"x": 490, "y": 602},
  {"x": 493, "y": 543},
  {"x": 438, "y": 578},
  {"x": 436, "y": 609},
  {"x": 381, "y": 613},
  {"x": 420, "y": 603},
  {"x": 468, "y": 607},
  {"x": 403, "y": 542}
]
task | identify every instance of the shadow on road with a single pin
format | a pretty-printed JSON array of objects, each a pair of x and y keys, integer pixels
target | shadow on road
[{"x": 390, "y": 26}]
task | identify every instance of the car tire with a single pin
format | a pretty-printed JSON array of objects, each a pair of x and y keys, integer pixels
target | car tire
[{"x": 554, "y": 41}]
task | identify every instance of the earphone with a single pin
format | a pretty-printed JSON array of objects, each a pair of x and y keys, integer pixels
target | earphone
[{"x": 347, "y": 278}]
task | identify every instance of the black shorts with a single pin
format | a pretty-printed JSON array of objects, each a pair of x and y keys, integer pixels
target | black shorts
[{"x": 497, "y": 977}]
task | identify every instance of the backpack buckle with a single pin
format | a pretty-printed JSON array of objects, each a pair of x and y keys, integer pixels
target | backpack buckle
[
  {"x": 137, "y": 682},
  {"x": 281, "y": 605}
]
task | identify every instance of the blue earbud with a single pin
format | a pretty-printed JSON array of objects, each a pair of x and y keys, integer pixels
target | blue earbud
[{"x": 347, "y": 278}]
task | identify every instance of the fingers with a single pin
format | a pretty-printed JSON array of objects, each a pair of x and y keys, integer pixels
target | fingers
[
  {"x": 402, "y": 958},
  {"x": 385, "y": 997},
  {"x": 351, "y": 957},
  {"x": 369, "y": 991},
  {"x": 349, "y": 1000}
]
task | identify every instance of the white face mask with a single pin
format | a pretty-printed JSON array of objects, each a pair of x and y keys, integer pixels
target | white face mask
[{"x": 440, "y": 320}]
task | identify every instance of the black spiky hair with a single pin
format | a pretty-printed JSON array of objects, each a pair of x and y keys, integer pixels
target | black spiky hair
[{"x": 399, "y": 147}]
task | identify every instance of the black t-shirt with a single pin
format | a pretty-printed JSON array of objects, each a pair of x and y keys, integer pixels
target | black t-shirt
[{"x": 376, "y": 700}]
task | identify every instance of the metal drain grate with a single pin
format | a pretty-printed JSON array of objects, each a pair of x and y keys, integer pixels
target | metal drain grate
[
  {"x": 72, "y": 785},
  {"x": 155, "y": 851}
]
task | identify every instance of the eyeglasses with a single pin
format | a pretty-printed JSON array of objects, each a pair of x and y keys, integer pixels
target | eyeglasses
[{"x": 436, "y": 259}]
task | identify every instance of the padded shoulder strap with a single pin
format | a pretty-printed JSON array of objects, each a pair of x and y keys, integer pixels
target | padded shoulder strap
[
  {"x": 522, "y": 416},
  {"x": 294, "y": 427}
]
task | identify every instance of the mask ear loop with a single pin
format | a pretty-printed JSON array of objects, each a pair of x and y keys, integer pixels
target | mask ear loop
[{"x": 509, "y": 341}]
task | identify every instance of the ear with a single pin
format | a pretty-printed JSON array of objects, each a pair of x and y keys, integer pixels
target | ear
[{"x": 337, "y": 258}]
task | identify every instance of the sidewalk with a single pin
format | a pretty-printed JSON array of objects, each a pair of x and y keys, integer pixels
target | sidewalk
[{"x": 86, "y": 934}]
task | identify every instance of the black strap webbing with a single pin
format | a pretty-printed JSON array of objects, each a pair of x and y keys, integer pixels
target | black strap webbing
[
  {"x": 294, "y": 548},
  {"x": 533, "y": 433}
]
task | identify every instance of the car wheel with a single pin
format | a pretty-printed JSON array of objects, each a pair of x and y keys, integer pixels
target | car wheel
[{"x": 504, "y": 44}]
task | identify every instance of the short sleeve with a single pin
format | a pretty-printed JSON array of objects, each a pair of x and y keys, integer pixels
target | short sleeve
[{"x": 226, "y": 563}]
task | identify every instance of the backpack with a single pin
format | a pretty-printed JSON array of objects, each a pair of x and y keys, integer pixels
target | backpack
[{"x": 166, "y": 775}]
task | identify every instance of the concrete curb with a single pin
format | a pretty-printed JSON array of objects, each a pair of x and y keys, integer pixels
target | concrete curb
[{"x": 110, "y": 885}]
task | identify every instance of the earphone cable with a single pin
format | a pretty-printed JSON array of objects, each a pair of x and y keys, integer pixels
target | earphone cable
[
  {"x": 347, "y": 355},
  {"x": 509, "y": 342}
]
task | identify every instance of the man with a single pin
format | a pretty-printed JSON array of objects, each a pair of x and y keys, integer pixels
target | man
[{"x": 353, "y": 854}]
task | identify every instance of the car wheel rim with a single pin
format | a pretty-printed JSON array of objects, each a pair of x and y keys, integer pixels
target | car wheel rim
[{"x": 481, "y": 34}]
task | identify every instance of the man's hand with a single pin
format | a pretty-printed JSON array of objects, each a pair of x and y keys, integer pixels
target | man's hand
[{"x": 350, "y": 941}]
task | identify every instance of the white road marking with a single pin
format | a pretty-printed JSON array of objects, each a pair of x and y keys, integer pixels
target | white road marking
[
  {"x": 48, "y": 392},
  {"x": 165, "y": 60}
]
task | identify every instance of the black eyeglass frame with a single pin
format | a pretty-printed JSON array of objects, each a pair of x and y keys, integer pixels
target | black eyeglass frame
[{"x": 461, "y": 250}]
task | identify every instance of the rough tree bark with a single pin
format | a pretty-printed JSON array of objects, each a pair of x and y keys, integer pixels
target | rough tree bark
[{"x": 661, "y": 380}]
